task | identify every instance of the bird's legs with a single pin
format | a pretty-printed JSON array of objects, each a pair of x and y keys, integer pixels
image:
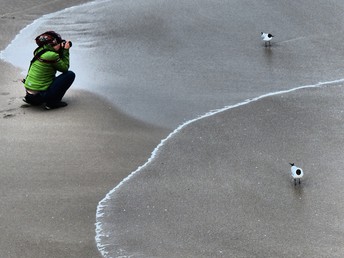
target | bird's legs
[{"x": 295, "y": 181}]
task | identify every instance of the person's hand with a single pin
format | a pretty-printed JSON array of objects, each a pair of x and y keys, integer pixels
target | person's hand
[{"x": 67, "y": 45}]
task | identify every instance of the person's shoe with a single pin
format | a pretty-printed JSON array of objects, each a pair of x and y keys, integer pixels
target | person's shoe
[
  {"x": 27, "y": 101},
  {"x": 55, "y": 105},
  {"x": 31, "y": 100}
]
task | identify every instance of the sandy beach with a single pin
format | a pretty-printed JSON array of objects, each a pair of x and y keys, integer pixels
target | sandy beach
[
  {"x": 218, "y": 187},
  {"x": 222, "y": 187},
  {"x": 56, "y": 166}
]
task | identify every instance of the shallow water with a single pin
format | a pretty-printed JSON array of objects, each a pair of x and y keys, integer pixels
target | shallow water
[{"x": 167, "y": 62}]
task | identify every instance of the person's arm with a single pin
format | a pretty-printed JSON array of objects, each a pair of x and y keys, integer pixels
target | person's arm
[{"x": 63, "y": 62}]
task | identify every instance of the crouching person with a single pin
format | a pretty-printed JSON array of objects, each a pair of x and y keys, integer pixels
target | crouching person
[{"x": 41, "y": 84}]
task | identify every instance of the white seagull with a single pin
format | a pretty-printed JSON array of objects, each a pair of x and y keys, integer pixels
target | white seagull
[
  {"x": 266, "y": 37},
  {"x": 296, "y": 173}
]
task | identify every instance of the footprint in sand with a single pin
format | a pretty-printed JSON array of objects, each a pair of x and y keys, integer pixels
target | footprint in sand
[{"x": 8, "y": 113}]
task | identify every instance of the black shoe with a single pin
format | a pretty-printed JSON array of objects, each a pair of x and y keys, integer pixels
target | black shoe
[
  {"x": 33, "y": 100},
  {"x": 55, "y": 105}
]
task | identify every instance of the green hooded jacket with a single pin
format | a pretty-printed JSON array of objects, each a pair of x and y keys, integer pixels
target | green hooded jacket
[{"x": 43, "y": 71}]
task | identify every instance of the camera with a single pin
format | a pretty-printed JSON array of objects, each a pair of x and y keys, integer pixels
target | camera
[{"x": 64, "y": 42}]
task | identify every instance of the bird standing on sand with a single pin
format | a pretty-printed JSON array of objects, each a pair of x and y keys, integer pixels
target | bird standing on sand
[
  {"x": 266, "y": 37},
  {"x": 296, "y": 173}
]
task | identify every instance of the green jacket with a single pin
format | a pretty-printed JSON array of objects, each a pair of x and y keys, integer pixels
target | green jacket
[{"x": 43, "y": 71}]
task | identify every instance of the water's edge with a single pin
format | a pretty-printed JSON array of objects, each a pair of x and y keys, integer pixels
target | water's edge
[{"x": 102, "y": 204}]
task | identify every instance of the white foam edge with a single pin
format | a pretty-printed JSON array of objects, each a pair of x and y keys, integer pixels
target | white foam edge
[
  {"x": 101, "y": 204},
  {"x": 35, "y": 24}
]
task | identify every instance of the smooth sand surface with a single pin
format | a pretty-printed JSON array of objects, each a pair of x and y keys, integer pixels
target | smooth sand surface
[
  {"x": 222, "y": 187},
  {"x": 57, "y": 165}
]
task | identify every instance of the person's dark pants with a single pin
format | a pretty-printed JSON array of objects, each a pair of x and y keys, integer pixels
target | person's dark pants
[{"x": 55, "y": 92}]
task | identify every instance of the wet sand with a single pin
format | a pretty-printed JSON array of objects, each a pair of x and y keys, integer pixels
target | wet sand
[
  {"x": 56, "y": 166},
  {"x": 222, "y": 187},
  {"x": 16, "y": 14}
]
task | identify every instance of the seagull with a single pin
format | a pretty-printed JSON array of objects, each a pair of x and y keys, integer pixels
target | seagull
[
  {"x": 266, "y": 37},
  {"x": 296, "y": 173}
]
